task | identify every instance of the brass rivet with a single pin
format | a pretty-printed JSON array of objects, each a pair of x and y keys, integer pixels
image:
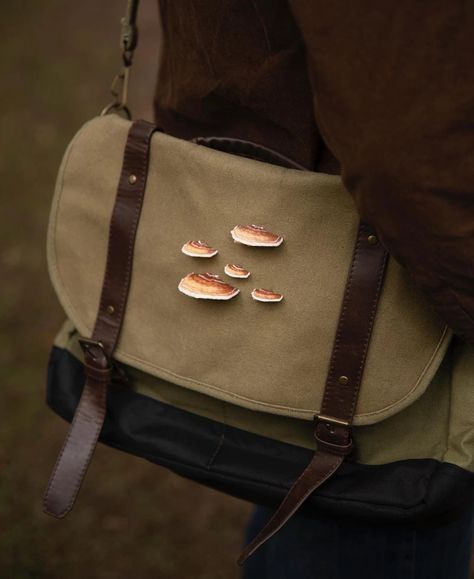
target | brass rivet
[
  {"x": 372, "y": 239},
  {"x": 110, "y": 309},
  {"x": 343, "y": 380},
  {"x": 132, "y": 179}
]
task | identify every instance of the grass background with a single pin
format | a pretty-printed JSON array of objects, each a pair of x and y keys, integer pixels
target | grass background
[{"x": 133, "y": 519}]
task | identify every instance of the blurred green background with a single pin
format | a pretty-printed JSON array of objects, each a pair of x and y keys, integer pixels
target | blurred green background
[{"x": 133, "y": 519}]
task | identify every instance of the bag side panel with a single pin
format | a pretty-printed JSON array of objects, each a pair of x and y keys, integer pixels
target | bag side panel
[{"x": 460, "y": 439}]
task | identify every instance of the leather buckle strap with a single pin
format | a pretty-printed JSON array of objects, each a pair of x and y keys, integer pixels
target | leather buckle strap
[
  {"x": 77, "y": 451},
  {"x": 332, "y": 427},
  {"x": 92, "y": 347},
  {"x": 333, "y": 435}
]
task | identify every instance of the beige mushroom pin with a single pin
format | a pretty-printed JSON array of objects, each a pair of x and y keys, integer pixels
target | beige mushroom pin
[
  {"x": 256, "y": 236},
  {"x": 206, "y": 286},
  {"x": 198, "y": 249},
  {"x": 234, "y": 270},
  {"x": 264, "y": 295}
]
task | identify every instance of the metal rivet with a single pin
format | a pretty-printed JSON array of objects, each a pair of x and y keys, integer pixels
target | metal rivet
[
  {"x": 343, "y": 380},
  {"x": 372, "y": 239},
  {"x": 110, "y": 309},
  {"x": 330, "y": 428},
  {"x": 132, "y": 179}
]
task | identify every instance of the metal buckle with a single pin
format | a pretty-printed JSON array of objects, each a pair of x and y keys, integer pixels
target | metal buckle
[
  {"x": 87, "y": 345},
  {"x": 331, "y": 420},
  {"x": 325, "y": 441}
]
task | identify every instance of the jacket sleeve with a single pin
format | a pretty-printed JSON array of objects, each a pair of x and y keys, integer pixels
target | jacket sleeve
[{"x": 393, "y": 92}]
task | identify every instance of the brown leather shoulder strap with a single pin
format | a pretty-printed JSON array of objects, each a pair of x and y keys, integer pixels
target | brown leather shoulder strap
[
  {"x": 84, "y": 431},
  {"x": 332, "y": 426}
]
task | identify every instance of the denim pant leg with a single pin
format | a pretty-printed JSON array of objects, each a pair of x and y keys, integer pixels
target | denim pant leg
[{"x": 330, "y": 548}]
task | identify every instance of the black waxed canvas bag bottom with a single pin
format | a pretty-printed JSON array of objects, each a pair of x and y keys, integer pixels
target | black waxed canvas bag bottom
[{"x": 260, "y": 469}]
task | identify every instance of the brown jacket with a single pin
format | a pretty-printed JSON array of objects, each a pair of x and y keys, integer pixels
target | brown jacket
[{"x": 385, "y": 87}]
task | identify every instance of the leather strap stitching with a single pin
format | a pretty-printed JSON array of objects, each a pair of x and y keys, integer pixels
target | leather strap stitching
[
  {"x": 81, "y": 440},
  {"x": 332, "y": 428}
]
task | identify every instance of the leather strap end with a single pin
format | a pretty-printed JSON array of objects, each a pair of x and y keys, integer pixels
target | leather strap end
[
  {"x": 333, "y": 426},
  {"x": 76, "y": 453},
  {"x": 321, "y": 467}
]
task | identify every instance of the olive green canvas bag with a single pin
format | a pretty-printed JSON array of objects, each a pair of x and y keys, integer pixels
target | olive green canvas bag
[{"x": 230, "y": 317}]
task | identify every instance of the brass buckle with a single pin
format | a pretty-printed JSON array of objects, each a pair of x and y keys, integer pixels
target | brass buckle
[
  {"x": 327, "y": 443},
  {"x": 87, "y": 345},
  {"x": 331, "y": 420}
]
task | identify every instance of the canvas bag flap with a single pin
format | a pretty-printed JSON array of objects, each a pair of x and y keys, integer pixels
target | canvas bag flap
[{"x": 272, "y": 357}]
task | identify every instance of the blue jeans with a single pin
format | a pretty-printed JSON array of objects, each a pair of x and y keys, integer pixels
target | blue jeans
[{"x": 330, "y": 548}]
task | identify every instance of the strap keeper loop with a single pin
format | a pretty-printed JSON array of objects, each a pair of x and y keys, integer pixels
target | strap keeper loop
[{"x": 102, "y": 375}]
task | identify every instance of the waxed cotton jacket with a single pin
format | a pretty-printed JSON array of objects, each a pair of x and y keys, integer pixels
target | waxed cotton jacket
[{"x": 384, "y": 88}]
